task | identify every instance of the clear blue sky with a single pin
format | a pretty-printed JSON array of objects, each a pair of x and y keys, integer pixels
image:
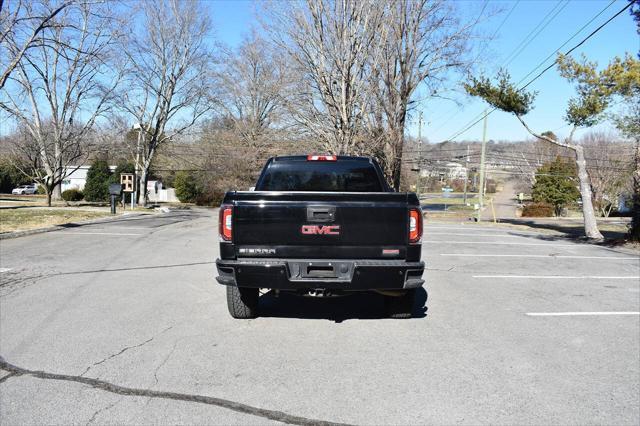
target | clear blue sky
[{"x": 235, "y": 18}]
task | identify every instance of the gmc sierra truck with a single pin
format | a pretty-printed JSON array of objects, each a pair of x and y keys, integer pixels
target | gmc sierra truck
[{"x": 320, "y": 225}]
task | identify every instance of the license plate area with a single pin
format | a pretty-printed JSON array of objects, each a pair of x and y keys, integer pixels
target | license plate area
[{"x": 320, "y": 270}]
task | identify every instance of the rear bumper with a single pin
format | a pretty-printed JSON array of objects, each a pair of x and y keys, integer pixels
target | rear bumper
[{"x": 296, "y": 274}]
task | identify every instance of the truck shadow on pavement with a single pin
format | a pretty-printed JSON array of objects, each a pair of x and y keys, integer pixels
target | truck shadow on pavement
[{"x": 361, "y": 306}]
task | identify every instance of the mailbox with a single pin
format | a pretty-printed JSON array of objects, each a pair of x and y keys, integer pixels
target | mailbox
[
  {"x": 127, "y": 181},
  {"x": 115, "y": 189}
]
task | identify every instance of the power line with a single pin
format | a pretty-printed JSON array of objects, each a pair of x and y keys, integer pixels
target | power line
[
  {"x": 493, "y": 36},
  {"x": 466, "y": 128},
  {"x": 536, "y": 34},
  {"x": 512, "y": 52},
  {"x": 568, "y": 40}
]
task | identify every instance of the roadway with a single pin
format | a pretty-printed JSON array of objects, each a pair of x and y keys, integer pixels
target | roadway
[{"x": 121, "y": 322}]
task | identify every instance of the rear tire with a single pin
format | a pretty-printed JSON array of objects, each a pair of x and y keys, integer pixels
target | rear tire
[
  {"x": 242, "y": 302},
  {"x": 400, "y": 306}
]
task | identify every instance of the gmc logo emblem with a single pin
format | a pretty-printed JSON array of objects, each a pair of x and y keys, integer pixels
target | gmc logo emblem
[{"x": 321, "y": 229}]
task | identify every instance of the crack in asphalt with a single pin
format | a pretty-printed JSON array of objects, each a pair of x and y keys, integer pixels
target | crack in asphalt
[
  {"x": 8, "y": 376},
  {"x": 107, "y": 407},
  {"x": 155, "y": 373},
  {"x": 14, "y": 281},
  {"x": 123, "y": 350},
  {"x": 278, "y": 416},
  {"x": 133, "y": 268}
]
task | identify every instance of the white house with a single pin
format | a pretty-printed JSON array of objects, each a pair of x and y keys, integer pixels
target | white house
[
  {"x": 456, "y": 171},
  {"x": 158, "y": 193},
  {"x": 449, "y": 170},
  {"x": 78, "y": 178}
]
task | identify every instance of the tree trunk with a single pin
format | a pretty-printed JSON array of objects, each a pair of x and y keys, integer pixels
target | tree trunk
[
  {"x": 57, "y": 192},
  {"x": 634, "y": 230},
  {"x": 143, "y": 184},
  {"x": 137, "y": 183},
  {"x": 398, "y": 144},
  {"x": 590, "y": 224}
]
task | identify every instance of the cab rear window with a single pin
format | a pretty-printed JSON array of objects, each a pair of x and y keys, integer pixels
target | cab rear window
[{"x": 329, "y": 176}]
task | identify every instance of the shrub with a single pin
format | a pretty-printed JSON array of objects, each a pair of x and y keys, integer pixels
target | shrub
[
  {"x": 10, "y": 176},
  {"x": 187, "y": 188},
  {"x": 72, "y": 195},
  {"x": 458, "y": 185},
  {"x": 97, "y": 186},
  {"x": 556, "y": 184},
  {"x": 490, "y": 186},
  {"x": 40, "y": 190},
  {"x": 537, "y": 210}
]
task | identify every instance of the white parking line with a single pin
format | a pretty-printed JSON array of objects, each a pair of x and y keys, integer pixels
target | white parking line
[
  {"x": 97, "y": 233},
  {"x": 121, "y": 227},
  {"x": 570, "y": 314},
  {"x": 555, "y": 277},
  {"x": 4, "y": 270},
  {"x": 540, "y": 255},
  {"x": 473, "y": 228},
  {"x": 502, "y": 243},
  {"x": 472, "y": 234}
]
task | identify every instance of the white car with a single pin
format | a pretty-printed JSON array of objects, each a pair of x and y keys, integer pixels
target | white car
[{"x": 25, "y": 189}]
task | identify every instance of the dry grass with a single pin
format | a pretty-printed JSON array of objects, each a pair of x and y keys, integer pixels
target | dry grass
[
  {"x": 23, "y": 200},
  {"x": 23, "y": 219}
]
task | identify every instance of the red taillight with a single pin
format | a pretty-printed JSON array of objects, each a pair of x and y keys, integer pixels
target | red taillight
[
  {"x": 415, "y": 226},
  {"x": 225, "y": 220},
  {"x": 322, "y": 157}
]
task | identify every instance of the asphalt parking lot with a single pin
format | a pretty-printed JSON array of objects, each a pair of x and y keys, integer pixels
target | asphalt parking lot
[{"x": 123, "y": 323}]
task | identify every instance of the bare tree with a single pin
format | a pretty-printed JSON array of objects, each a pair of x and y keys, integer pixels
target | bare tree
[
  {"x": 167, "y": 85},
  {"x": 610, "y": 166},
  {"x": 425, "y": 41},
  {"x": 58, "y": 91},
  {"x": 527, "y": 157},
  {"x": 594, "y": 92},
  {"x": 251, "y": 85},
  {"x": 22, "y": 24},
  {"x": 331, "y": 45}
]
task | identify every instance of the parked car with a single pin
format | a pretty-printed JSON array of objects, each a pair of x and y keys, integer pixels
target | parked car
[
  {"x": 25, "y": 189},
  {"x": 320, "y": 225}
]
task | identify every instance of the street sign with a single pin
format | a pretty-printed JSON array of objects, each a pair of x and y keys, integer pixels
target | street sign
[
  {"x": 115, "y": 189},
  {"x": 127, "y": 181}
]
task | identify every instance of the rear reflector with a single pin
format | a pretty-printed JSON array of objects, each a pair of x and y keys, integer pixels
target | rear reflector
[
  {"x": 390, "y": 252},
  {"x": 225, "y": 222},
  {"x": 322, "y": 157},
  {"x": 415, "y": 226}
]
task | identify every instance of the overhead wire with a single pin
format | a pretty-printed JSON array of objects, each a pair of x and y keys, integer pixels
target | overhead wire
[
  {"x": 595, "y": 31},
  {"x": 537, "y": 33},
  {"x": 534, "y": 29},
  {"x": 493, "y": 36},
  {"x": 568, "y": 40}
]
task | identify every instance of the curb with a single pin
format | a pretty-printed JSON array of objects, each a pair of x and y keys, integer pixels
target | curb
[{"x": 17, "y": 234}]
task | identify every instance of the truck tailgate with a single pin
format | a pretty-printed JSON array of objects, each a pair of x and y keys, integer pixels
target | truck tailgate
[{"x": 321, "y": 224}]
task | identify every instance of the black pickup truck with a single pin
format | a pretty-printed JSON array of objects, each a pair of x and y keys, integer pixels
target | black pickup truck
[{"x": 320, "y": 225}]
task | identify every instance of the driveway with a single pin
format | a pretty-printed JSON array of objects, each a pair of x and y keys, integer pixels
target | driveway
[
  {"x": 504, "y": 203},
  {"x": 122, "y": 322}
]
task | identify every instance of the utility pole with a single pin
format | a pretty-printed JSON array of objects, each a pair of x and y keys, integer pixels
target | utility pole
[
  {"x": 466, "y": 176},
  {"x": 419, "y": 152},
  {"x": 482, "y": 165}
]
